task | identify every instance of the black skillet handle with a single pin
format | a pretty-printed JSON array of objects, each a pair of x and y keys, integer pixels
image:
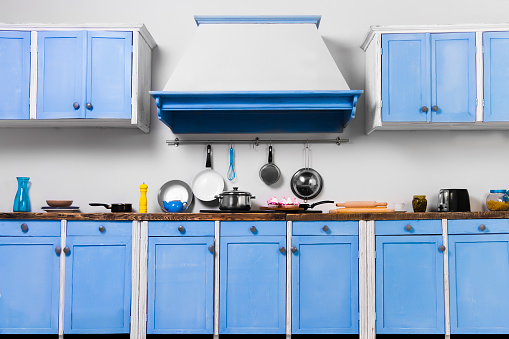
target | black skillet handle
[
  {"x": 208, "y": 163},
  {"x": 321, "y": 202},
  {"x": 270, "y": 154},
  {"x": 99, "y": 204}
]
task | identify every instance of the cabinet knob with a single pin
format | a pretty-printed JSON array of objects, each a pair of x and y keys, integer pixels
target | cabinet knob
[
  {"x": 67, "y": 250},
  {"x": 325, "y": 228},
  {"x": 434, "y": 108},
  {"x": 88, "y": 105},
  {"x": 76, "y": 105},
  {"x": 441, "y": 248},
  {"x": 211, "y": 248},
  {"x": 24, "y": 227},
  {"x": 58, "y": 250},
  {"x": 408, "y": 227},
  {"x": 252, "y": 229},
  {"x": 424, "y": 109},
  {"x": 293, "y": 249},
  {"x": 482, "y": 227},
  {"x": 181, "y": 228},
  {"x": 282, "y": 249},
  {"x": 102, "y": 228}
]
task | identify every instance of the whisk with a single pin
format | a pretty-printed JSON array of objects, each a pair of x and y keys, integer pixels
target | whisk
[{"x": 231, "y": 170}]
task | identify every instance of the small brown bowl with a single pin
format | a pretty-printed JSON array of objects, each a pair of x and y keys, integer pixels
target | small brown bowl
[{"x": 59, "y": 203}]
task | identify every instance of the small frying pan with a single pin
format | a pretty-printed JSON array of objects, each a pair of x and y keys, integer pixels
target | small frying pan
[
  {"x": 270, "y": 173},
  {"x": 115, "y": 207},
  {"x": 207, "y": 184},
  {"x": 307, "y": 206},
  {"x": 306, "y": 183}
]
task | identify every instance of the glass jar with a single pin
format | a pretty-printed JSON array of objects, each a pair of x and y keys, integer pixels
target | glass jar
[
  {"x": 22, "y": 201},
  {"x": 419, "y": 203},
  {"x": 497, "y": 200}
]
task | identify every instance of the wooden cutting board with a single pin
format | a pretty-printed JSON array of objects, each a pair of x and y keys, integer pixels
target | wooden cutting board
[{"x": 362, "y": 210}]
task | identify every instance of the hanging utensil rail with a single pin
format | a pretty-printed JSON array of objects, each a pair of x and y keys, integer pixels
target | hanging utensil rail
[{"x": 257, "y": 141}]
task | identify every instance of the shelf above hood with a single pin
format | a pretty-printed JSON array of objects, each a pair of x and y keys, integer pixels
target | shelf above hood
[{"x": 256, "y": 75}]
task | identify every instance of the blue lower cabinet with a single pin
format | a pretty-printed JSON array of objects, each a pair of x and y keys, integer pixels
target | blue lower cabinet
[
  {"x": 325, "y": 285},
  {"x": 98, "y": 277},
  {"x": 29, "y": 284},
  {"x": 409, "y": 282},
  {"x": 180, "y": 285},
  {"x": 252, "y": 278},
  {"x": 479, "y": 276}
]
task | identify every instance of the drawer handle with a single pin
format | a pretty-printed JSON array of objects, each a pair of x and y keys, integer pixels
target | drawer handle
[
  {"x": 102, "y": 228},
  {"x": 482, "y": 227},
  {"x": 408, "y": 227},
  {"x": 424, "y": 109},
  {"x": 441, "y": 248},
  {"x": 58, "y": 250},
  {"x": 211, "y": 248},
  {"x": 434, "y": 108},
  {"x": 293, "y": 249},
  {"x": 67, "y": 250},
  {"x": 76, "y": 105},
  {"x": 88, "y": 105},
  {"x": 181, "y": 229},
  {"x": 282, "y": 249},
  {"x": 24, "y": 227},
  {"x": 325, "y": 228},
  {"x": 252, "y": 229}
]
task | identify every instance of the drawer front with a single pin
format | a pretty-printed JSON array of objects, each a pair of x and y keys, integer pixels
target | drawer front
[
  {"x": 30, "y": 228},
  {"x": 325, "y": 228},
  {"x": 478, "y": 226},
  {"x": 252, "y": 228},
  {"x": 100, "y": 228},
  {"x": 180, "y": 228},
  {"x": 407, "y": 227}
]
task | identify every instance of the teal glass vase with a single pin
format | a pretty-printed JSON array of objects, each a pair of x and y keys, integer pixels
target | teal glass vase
[{"x": 22, "y": 201}]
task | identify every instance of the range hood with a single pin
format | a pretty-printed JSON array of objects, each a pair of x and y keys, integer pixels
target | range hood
[{"x": 256, "y": 75}]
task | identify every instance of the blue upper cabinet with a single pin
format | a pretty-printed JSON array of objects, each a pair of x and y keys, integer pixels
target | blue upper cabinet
[
  {"x": 428, "y": 77},
  {"x": 84, "y": 75},
  {"x": 496, "y": 76},
  {"x": 15, "y": 75}
]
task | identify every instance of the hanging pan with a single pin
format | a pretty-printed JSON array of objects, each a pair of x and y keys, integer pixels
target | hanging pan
[
  {"x": 306, "y": 183},
  {"x": 207, "y": 184},
  {"x": 270, "y": 173}
]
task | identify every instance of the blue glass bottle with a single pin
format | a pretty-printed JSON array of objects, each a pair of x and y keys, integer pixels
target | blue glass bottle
[{"x": 22, "y": 201}]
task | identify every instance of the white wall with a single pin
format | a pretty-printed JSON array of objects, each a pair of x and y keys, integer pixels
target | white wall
[{"x": 108, "y": 165}]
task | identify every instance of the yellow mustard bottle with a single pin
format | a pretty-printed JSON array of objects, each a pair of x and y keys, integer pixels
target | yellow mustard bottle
[{"x": 143, "y": 198}]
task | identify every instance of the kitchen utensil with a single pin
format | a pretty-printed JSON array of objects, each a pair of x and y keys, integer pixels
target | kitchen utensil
[
  {"x": 231, "y": 171},
  {"x": 207, "y": 184},
  {"x": 59, "y": 203},
  {"x": 306, "y": 183},
  {"x": 360, "y": 204},
  {"x": 453, "y": 200},
  {"x": 235, "y": 200},
  {"x": 143, "y": 198},
  {"x": 175, "y": 206},
  {"x": 306, "y": 206},
  {"x": 116, "y": 208},
  {"x": 362, "y": 210},
  {"x": 175, "y": 190},
  {"x": 270, "y": 173}
]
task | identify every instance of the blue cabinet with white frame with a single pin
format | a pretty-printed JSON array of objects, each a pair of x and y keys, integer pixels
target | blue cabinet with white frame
[
  {"x": 98, "y": 277},
  {"x": 29, "y": 276},
  {"x": 15, "y": 74},
  {"x": 496, "y": 76},
  {"x": 428, "y": 77},
  {"x": 180, "y": 277},
  {"x": 84, "y": 74},
  {"x": 325, "y": 282},
  {"x": 479, "y": 276},
  {"x": 409, "y": 277},
  {"x": 252, "y": 277}
]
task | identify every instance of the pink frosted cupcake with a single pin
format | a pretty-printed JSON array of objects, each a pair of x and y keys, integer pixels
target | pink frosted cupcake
[{"x": 272, "y": 202}]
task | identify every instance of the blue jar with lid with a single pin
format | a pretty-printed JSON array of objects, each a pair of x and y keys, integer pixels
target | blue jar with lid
[{"x": 497, "y": 200}]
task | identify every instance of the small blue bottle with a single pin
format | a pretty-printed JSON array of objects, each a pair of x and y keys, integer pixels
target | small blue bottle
[{"x": 22, "y": 201}]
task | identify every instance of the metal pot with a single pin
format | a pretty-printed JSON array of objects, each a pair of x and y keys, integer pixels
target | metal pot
[{"x": 235, "y": 200}]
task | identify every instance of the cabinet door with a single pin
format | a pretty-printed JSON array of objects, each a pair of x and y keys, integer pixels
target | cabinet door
[
  {"x": 97, "y": 285},
  {"x": 405, "y": 77},
  {"x": 109, "y": 75},
  {"x": 14, "y": 75},
  {"x": 496, "y": 76},
  {"x": 409, "y": 285},
  {"x": 325, "y": 285},
  {"x": 479, "y": 283},
  {"x": 180, "y": 285},
  {"x": 61, "y": 74},
  {"x": 453, "y": 77},
  {"x": 252, "y": 285},
  {"x": 29, "y": 284}
]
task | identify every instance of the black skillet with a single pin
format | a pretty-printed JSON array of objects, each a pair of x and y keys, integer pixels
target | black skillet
[
  {"x": 306, "y": 206},
  {"x": 116, "y": 208}
]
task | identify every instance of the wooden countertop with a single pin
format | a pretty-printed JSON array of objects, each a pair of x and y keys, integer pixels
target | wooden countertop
[{"x": 271, "y": 216}]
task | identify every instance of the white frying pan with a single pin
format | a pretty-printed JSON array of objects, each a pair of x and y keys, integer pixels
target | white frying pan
[{"x": 207, "y": 184}]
